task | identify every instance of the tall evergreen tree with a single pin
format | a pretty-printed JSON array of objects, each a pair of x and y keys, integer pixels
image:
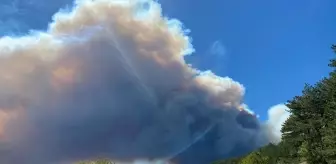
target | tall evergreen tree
[
  {"x": 312, "y": 123},
  {"x": 329, "y": 129}
]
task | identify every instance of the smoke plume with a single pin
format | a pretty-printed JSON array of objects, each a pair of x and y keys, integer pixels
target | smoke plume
[
  {"x": 277, "y": 115},
  {"x": 108, "y": 79}
]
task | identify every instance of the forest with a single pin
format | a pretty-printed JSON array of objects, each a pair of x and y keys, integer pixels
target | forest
[{"x": 309, "y": 134}]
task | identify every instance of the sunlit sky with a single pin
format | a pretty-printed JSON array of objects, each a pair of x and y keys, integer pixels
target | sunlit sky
[{"x": 272, "y": 47}]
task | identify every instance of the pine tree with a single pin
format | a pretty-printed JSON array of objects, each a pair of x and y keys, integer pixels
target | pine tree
[
  {"x": 329, "y": 129},
  {"x": 305, "y": 124},
  {"x": 312, "y": 125}
]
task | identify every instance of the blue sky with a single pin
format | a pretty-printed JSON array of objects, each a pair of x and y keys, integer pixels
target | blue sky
[{"x": 271, "y": 47}]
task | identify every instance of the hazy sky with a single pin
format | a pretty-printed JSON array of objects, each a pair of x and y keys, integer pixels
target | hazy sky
[{"x": 272, "y": 48}]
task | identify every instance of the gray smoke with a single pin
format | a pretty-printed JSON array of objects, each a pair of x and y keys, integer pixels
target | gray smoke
[{"x": 108, "y": 79}]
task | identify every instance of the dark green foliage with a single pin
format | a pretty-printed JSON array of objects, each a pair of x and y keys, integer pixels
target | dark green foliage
[
  {"x": 333, "y": 61},
  {"x": 309, "y": 135},
  {"x": 266, "y": 155}
]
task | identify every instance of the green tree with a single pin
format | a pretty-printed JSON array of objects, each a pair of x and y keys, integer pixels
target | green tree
[
  {"x": 256, "y": 157},
  {"x": 329, "y": 128},
  {"x": 311, "y": 127},
  {"x": 306, "y": 123},
  {"x": 99, "y": 161}
]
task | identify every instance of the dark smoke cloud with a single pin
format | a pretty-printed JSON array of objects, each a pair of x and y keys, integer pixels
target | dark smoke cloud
[{"x": 108, "y": 79}]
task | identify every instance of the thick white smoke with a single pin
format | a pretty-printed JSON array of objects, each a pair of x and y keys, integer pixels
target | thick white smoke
[
  {"x": 108, "y": 79},
  {"x": 277, "y": 115}
]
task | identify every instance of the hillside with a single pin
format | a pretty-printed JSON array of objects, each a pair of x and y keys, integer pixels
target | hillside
[{"x": 309, "y": 133}]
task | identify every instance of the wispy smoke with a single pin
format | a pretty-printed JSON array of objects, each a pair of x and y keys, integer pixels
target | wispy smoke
[
  {"x": 215, "y": 58},
  {"x": 217, "y": 48},
  {"x": 108, "y": 79}
]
